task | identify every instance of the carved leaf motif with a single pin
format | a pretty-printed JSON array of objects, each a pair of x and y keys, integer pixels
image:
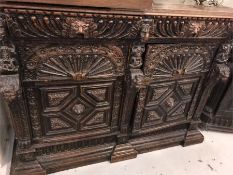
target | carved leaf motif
[
  {"x": 186, "y": 88},
  {"x": 158, "y": 93},
  {"x": 55, "y": 98},
  {"x": 99, "y": 94},
  {"x": 190, "y": 28},
  {"x": 57, "y": 123},
  {"x": 153, "y": 115},
  {"x": 96, "y": 119},
  {"x": 179, "y": 111},
  {"x": 43, "y": 24}
]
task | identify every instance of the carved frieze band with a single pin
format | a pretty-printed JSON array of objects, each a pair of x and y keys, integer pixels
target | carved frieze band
[
  {"x": 190, "y": 27},
  {"x": 23, "y": 23},
  {"x": 49, "y": 24}
]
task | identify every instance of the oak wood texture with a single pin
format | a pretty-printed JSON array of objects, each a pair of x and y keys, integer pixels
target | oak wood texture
[
  {"x": 129, "y": 4},
  {"x": 89, "y": 85}
]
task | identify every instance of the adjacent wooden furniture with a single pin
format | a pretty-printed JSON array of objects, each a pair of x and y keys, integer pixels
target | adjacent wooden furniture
[
  {"x": 89, "y": 85},
  {"x": 218, "y": 112}
]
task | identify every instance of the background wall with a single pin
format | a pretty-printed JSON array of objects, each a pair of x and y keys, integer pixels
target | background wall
[{"x": 6, "y": 140}]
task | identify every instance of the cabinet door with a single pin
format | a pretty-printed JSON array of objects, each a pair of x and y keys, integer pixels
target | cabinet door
[
  {"x": 74, "y": 89},
  {"x": 176, "y": 73},
  {"x": 81, "y": 108}
]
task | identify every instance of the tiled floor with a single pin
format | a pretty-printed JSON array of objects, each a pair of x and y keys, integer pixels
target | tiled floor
[{"x": 213, "y": 157}]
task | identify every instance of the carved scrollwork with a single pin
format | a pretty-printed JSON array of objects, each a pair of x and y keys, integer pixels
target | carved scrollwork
[
  {"x": 179, "y": 27},
  {"x": 48, "y": 24}
]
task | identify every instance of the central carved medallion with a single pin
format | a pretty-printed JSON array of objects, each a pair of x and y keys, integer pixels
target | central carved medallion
[{"x": 79, "y": 108}]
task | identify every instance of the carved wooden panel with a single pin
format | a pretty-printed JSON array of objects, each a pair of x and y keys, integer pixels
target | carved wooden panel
[
  {"x": 74, "y": 62},
  {"x": 57, "y": 24},
  {"x": 190, "y": 27},
  {"x": 78, "y": 107},
  {"x": 165, "y": 102},
  {"x": 174, "y": 61},
  {"x": 176, "y": 73}
]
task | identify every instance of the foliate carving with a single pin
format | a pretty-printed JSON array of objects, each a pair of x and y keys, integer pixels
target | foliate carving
[
  {"x": 97, "y": 119},
  {"x": 7, "y": 59},
  {"x": 174, "y": 61},
  {"x": 8, "y": 63},
  {"x": 55, "y": 98},
  {"x": 153, "y": 115},
  {"x": 57, "y": 123},
  {"x": 34, "y": 113},
  {"x": 56, "y": 24},
  {"x": 100, "y": 94},
  {"x": 75, "y": 62},
  {"x": 184, "y": 27}
]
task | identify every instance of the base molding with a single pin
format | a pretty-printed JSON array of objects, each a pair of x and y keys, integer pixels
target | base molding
[
  {"x": 123, "y": 152},
  {"x": 193, "y": 137},
  {"x": 157, "y": 142},
  {"x": 28, "y": 168},
  {"x": 215, "y": 127}
]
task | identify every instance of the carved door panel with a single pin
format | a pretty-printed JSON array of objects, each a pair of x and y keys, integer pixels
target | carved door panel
[
  {"x": 176, "y": 73},
  {"x": 80, "y": 108},
  {"x": 73, "y": 89}
]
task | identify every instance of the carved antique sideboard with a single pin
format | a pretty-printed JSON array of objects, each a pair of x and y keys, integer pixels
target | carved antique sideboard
[{"x": 89, "y": 85}]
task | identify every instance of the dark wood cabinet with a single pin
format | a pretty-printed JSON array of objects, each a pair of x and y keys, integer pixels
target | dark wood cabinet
[{"x": 89, "y": 85}]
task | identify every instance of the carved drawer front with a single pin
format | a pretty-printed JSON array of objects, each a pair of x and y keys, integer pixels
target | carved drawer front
[{"x": 79, "y": 108}]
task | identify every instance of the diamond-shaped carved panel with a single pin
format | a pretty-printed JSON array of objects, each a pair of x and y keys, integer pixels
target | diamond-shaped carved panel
[{"x": 84, "y": 107}]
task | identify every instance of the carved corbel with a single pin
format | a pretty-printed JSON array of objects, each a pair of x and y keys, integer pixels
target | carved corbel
[
  {"x": 145, "y": 31},
  {"x": 10, "y": 89}
]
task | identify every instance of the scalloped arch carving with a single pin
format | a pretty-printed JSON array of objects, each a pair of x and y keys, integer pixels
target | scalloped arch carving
[{"x": 76, "y": 63}]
